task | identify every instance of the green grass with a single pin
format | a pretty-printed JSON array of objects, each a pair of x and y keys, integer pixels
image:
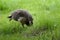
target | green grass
[{"x": 46, "y": 15}]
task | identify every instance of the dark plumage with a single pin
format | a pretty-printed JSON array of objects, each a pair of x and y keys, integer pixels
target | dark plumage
[{"x": 22, "y": 16}]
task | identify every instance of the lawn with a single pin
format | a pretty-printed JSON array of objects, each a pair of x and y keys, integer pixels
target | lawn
[{"x": 46, "y": 20}]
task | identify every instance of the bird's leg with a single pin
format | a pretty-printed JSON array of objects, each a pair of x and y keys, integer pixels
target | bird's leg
[
  {"x": 10, "y": 19},
  {"x": 23, "y": 25}
]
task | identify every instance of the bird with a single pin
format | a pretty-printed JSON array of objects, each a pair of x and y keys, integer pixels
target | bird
[{"x": 22, "y": 16}]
